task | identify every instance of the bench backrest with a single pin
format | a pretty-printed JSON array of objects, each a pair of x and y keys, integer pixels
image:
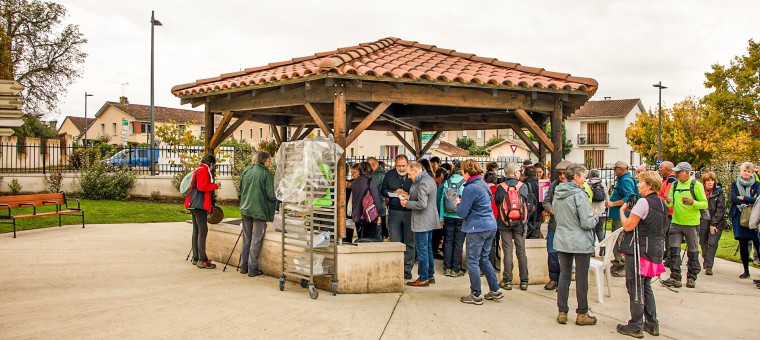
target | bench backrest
[{"x": 36, "y": 199}]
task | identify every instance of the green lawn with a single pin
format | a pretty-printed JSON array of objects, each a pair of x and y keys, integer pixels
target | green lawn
[{"x": 104, "y": 212}]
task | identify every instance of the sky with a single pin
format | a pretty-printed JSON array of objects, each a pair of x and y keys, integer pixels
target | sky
[{"x": 627, "y": 46}]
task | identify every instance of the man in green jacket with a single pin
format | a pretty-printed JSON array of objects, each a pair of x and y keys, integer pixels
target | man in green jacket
[
  {"x": 687, "y": 198},
  {"x": 257, "y": 200}
]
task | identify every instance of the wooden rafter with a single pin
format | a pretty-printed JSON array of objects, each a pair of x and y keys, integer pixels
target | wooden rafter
[
  {"x": 297, "y": 133},
  {"x": 216, "y": 139},
  {"x": 367, "y": 121},
  {"x": 276, "y": 134},
  {"x": 230, "y": 130},
  {"x": 403, "y": 141},
  {"x": 430, "y": 142},
  {"x": 533, "y": 128},
  {"x": 523, "y": 137},
  {"x": 319, "y": 119},
  {"x": 305, "y": 133}
]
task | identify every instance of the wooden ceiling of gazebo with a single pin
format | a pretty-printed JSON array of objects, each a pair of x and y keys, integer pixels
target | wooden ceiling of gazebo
[{"x": 392, "y": 85}]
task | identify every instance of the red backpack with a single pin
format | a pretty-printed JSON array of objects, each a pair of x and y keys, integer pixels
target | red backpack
[{"x": 513, "y": 211}]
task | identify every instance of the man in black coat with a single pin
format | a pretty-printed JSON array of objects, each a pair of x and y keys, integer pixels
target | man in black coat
[{"x": 397, "y": 182}]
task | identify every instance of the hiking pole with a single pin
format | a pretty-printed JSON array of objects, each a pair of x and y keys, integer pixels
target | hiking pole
[
  {"x": 232, "y": 251},
  {"x": 637, "y": 268},
  {"x": 191, "y": 251}
]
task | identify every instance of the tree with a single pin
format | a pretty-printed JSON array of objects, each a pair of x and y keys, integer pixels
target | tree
[
  {"x": 37, "y": 54},
  {"x": 33, "y": 127},
  {"x": 736, "y": 88},
  {"x": 691, "y": 131},
  {"x": 465, "y": 143},
  {"x": 494, "y": 140}
]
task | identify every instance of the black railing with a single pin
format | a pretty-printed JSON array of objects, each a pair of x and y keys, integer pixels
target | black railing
[
  {"x": 594, "y": 139},
  {"x": 69, "y": 159}
]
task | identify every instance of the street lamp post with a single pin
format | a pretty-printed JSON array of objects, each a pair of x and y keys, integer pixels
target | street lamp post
[
  {"x": 660, "y": 87},
  {"x": 85, "y": 118},
  {"x": 153, "y": 24}
]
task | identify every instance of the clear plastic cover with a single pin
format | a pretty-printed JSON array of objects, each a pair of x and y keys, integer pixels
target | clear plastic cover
[{"x": 304, "y": 168}]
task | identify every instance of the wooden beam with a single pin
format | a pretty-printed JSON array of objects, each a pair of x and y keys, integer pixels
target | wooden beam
[
  {"x": 351, "y": 111},
  {"x": 417, "y": 135},
  {"x": 533, "y": 128},
  {"x": 267, "y": 98},
  {"x": 318, "y": 118},
  {"x": 275, "y": 134},
  {"x": 284, "y": 133},
  {"x": 403, "y": 141},
  {"x": 339, "y": 124},
  {"x": 305, "y": 133},
  {"x": 523, "y": 137},
  {"x": 216, "y": 139},
  {"x": 208, "y": 120},
  {"x": 367, "y": 121},
  {"x": 297, "y": 133},
  {"x": 227, "y": 133},
  {"x": 431, "y": 142},
  {"x": 556, "y": 149}
]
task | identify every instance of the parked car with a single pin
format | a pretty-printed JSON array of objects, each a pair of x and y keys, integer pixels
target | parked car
[{"x": 132, "y": 157}]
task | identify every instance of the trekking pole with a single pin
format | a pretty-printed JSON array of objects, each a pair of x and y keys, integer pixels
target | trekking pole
[
  {"x": 191, "y": 251},
  {"x": 232, "y": 251},
  {"x": 637, "y": 269}
]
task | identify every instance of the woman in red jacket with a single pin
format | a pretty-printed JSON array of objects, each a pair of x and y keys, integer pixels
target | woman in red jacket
[{"x": 199, "y": 204}]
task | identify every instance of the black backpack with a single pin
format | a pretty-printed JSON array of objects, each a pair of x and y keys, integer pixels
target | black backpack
[{"x": 597, "y": 192}]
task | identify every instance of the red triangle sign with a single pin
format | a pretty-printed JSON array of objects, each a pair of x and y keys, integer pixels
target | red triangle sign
[{"x": 513, "y": 147}]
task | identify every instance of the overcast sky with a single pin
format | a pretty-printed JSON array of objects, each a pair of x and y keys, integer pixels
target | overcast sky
[{"x": 625, "y": 45}]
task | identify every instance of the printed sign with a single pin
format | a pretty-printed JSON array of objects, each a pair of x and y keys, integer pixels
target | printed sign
[{"x": 543, "y": 188}]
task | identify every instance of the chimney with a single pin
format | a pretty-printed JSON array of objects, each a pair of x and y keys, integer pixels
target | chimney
[
  {"x": 605, "y": 98},
  {"x": 123, "y": 100},
  {"x": 53, "y": 124}
]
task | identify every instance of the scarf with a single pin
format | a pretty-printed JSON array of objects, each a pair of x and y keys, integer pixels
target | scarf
[{"x": 744, "y": 186}]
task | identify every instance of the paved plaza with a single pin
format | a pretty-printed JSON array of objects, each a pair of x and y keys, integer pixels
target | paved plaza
[{"x": 132, "y": 281}]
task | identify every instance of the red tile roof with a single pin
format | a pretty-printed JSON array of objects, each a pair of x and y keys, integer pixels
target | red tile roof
[
  {"x": 451, "y": 149},
  {"x": 163, "y": 114},
  {"x": 606, "y": 108},
  {"x": 396, "y": 59}
]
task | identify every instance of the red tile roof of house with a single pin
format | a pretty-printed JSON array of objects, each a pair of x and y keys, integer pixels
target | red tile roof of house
[
  {"x": 451, "y": 149},
  {"x": 163, "y": 114},
  {"x": 606, "y": 108},
  {"x": 400, "y": 60}
]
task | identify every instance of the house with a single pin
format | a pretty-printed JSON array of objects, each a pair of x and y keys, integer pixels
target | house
[
  {"x": 123, "y": 123},
  {"x": 510, "y": 150},
  {"x": 598, "y": 132},
  {"x": 446, "y": 150}
]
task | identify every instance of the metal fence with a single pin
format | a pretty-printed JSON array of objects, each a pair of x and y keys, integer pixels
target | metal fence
[{"x": 19, "y": 158}]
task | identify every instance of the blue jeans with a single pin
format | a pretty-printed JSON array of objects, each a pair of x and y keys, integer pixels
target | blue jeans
[
  {"x": 452, "y": 243},
  {"x": 552, "y": 260},
  {"x": 425, "y": 266},
  {"x": 478, "y": 249}
]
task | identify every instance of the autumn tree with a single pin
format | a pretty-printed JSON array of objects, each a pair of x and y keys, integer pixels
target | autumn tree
[
  {"x": 38, "y": 52},
  {"x": 736, "y": 88},
  {"x": 691, "y": 131}
]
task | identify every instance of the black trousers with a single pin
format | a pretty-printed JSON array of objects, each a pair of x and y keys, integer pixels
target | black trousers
[
  {"x": 200, "y": 230},
  {"x": 645, "y": 311},
  {"x": 744, "y": 251},
  {"x": 582, "y": 262}
]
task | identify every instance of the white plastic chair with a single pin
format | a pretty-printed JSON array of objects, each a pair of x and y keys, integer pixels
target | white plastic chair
[{"x": 603, "y": 267}]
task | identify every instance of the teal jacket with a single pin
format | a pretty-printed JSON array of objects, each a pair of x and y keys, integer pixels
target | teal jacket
[{"x": 256, "y": 193}]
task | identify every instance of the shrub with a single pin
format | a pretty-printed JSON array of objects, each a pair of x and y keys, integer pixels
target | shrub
[
  {"x": 155, "y": 195},
  {"x": 243, "y": 157},
  {"x": 15, "y": 187},
  {"x": 465, "y": 143},
  {"x": 98, "y": 181},
  {"x": 54, "y": 180},
  {"x": 82, "y": 156}
]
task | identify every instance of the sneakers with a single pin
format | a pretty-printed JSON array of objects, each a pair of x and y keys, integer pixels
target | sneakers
[
  {"x": 243, "y": 271},
  {"x": 708, "y": 271},
  {"x": 458, "y": 273},
  {"x": 671, "y": 282},
  {"x": 255, "y": 273},
  {"x": 506, "y": 285},
  {"x": 630, "y": 331},
  {"x": 744, "y": 276},
  {"x": 205, "y": 265},
  {"x": 431, "y": 280},
  {"x": 194, "y": 262},
  {"x": 562, "y": 318},
  {"x": 585, "y": 320},
  {"x": 552, "y": 285},
  {"x": 447, "y": 272},
  {"x": 652, "y": 329},
  {"x": 472, "y": 299},
  {"x": 523, "y": 285},
  {"x": 494, "y": 295},
  {"x": 691, "y": 283}
]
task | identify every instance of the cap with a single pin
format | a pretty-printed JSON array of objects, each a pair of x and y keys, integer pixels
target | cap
[
  {"x": 621, "y": 164},
  {"x": 527, "y": 162},
  {"x": 563, "y": 165},
  {"x": 683, "y": 166}
]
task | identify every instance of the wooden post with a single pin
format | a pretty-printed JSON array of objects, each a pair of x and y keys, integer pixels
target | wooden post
[
  {"x": 339, "y": 129},
  {"x": 284, "y": 133},
  {"x": 417, "y": 135},
  {"x": 542, "y": 148},
  {"x": 556, "y": 136},
  {"x": 208, "y": 118}
]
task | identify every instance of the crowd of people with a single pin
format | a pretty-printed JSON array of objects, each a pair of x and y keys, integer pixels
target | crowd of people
[{"x": 436, "y": 208}]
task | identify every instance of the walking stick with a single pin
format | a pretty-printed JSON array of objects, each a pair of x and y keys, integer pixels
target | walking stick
[
  {"x": 232, "y": 251},
  {"x": 188, "y": 254},
  {"x": 637, "y": 269}
]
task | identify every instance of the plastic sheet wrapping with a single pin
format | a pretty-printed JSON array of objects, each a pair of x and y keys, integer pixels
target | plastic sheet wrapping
[{"x": 305, "y": 166}]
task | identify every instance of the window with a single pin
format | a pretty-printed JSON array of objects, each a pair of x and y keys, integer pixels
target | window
[
  {"x": 390, "y": 151},
  {"x": 319, "y": 133},
  {"x": 464, "y": 133},
  {"x": 182, "y": 128},
  {"x": 479, "y": 134},
  {"x": 203, "y": 130},
  {"x": 145, "y": 127},
  {"x": 102, "y": 129},
  {"x": 261, "y": 133},
  {"x": 251, "y": 133},
  {"x": 597, "y": 133},
  {"x": 594, "y": 158},
  {"x": 241, "y": 134},
  {"x": 352, "y": 152},
  {"x": 114, "y": 128}
]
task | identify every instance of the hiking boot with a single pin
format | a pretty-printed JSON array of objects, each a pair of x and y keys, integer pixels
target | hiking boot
[
  {"x": 652, "y": 329},
  {"x": 708, "y": 271},
  {"x": 194, "y": 262},
  {"x": 494, "y": 295},
  {"x": 205, "y": 265},
  {"x": 755, "y": 281},
  {"x": 585, "y": 320},
  {"x": 523, "y": 285},
  {"x": 255, "y": 273},
  {"x": 552, "y": 285},
  {"x": 447, "y": 272},
  {"x": 472, "y": 299},
  {"x": 407, "y": 276},
  {"x": 458, "y": 273},
  {"x": 243, "y": 271},
  {"x": 630, "y": 331},
  {"x": 691, "y": 283},
  {"x": 671, "y": 282},
  {"x": 506, "y": 285},
  {"x": 744, "y": 276},
  {"x": 562, "y": 318}
]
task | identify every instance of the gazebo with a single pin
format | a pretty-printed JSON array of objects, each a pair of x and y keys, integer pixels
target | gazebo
[{"x": 392, "y": 85}]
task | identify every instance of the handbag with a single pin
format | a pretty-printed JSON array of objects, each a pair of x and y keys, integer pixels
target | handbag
[
  {"x": 744, "y": 217},
  {"x": 754, "y": 217}
]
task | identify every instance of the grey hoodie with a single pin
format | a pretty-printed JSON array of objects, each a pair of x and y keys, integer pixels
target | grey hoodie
[{"x": 575, "y": 222}]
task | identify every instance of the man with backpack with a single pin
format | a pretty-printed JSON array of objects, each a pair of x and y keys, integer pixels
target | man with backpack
[
  {"x": 512, "y": 202},
  {"x": 533, "y": 227},
  {"x": 598, "y": 198},
  {"x": 450, "y": 190},
  {"x": 553, "y": 258},
  {"x": 624, "y": 189}
]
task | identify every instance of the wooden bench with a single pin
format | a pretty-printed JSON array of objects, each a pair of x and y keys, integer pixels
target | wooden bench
[{"x": 35, "y": 201}]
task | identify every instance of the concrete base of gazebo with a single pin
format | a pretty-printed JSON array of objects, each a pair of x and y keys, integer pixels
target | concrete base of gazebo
[{"x": 363, "y": 268}]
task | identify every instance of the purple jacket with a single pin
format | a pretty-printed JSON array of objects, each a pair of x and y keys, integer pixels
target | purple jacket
[{"x": 358, "y": 190}]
